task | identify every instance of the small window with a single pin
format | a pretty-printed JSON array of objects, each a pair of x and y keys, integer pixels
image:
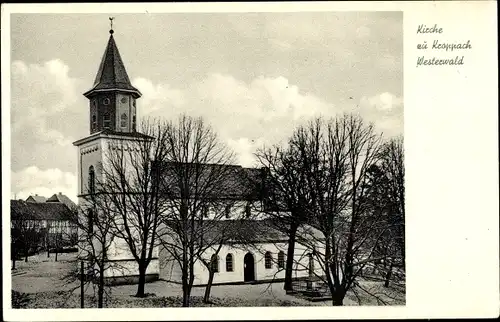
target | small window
[
  {"x": 248, "y": 209},
  {"x": 123, "y": 118},
  {"x": 227, "y": 211},
  {"x": 94, "y": 121},
  {"x": 91, "y": 180},
  {"x": 123, "y": 100},
  {"x": 268, "y": 259},
  {"x": 106, "y": 101},
  {"x": 281, "y": 259},
  {"x": 106, "y": 120},
  {"x": 229, "y": 263},
  {"x": 214, "y": 263},
  {"x": 133, "y": 122}
]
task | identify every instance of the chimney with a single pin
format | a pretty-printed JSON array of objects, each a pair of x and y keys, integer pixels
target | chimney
[
  {"x": 36, "y": 194},
  {"x": 60, "y": 193}
]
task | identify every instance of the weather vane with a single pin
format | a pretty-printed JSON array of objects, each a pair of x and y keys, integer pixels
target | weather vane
[{"x": 111, "y": 22}]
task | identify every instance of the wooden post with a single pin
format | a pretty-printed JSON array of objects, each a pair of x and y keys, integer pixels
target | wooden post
[{"x": 81, "y": 286}]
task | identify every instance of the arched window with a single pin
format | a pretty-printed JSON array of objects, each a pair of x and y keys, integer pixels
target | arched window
[
  {"x": 123, "y": 118},
  {"x": 229, "y": 263},
  {"x": 204, "y": 211},
  {"x": 91, "y": 221},
  {"x": 227, "y": 211},
  {"x": 248, "y": 209},
  {"x": 281, "y": 259},
  {"x": 91, "y": 180},
  {"x": 106, "y": 120},
  {"x": 268, "y": 259},
  {"x": 94, "y": 121},
  {"x": 214, "y": 263},
  {"x": 133, "y": 123}
]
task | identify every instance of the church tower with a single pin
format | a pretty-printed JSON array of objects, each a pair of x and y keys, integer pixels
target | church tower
[
  {"x": 112, "y": 119},
  {"x": 112, "y": 98}
]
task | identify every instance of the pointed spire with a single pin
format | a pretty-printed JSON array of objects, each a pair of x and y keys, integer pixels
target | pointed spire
[{"x": 112, "y": 74}]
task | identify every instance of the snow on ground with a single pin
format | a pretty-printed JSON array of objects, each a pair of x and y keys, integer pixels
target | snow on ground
[{"x": 43, "y": 279}]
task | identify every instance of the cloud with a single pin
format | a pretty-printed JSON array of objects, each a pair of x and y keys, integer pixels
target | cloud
[
  {"x": 48, "y": 112},
  {"x": 244, "y": 114},
  {"x": 157, "y": 96},
  {"x": 385, "y": 110},
  {"x": 32, "y": 180},
  {"x": 383, "y": 101},
  {"x": 244, "y": 148}
]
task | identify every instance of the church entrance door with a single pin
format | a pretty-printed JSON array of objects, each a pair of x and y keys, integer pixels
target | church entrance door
[{"x": 249, "y": 268}]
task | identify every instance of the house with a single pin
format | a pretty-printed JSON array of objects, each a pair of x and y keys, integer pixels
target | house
[
  {"x": 254, "y": 250},
  {"x": 36, "y": 198},
  {"x": 59, "y": 197},
  {"x": 56, "y": 219}
]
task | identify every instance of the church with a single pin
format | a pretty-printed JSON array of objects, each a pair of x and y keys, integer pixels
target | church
[{"x": 257, "y": 253}]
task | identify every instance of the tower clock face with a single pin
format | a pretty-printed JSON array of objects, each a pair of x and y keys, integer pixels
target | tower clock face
[{"x": 124, "y": 100}]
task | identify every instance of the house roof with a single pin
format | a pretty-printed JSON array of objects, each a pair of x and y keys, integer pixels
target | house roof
[
  {"x": 217, "y": 181},
  {"x": 250, "y": 231},
  {"x": 36, "y": 198},
  {"x": 63, "y": 199},
  {"x": 111, "y": 74},
  {"x": 126, "y": 134},
  {"x": 20, "y": 210}
]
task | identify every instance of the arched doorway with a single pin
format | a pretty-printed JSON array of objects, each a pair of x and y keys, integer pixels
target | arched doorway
[{"x": 249, "y": 268}]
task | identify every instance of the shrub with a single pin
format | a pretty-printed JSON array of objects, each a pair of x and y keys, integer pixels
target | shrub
[{"x": 19, "y": 300}]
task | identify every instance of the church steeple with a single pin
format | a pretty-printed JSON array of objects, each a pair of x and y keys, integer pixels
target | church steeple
[{"x": 112, "y": 97}]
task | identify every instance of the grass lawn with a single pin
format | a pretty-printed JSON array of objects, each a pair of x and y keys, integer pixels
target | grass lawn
[{"x": 39, "y": 283}]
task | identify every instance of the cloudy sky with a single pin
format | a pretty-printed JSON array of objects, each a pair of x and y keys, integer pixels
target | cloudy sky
[{"x": 252, "y": 76}]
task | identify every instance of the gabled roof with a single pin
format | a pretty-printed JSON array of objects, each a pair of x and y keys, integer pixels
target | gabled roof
[
  {"x": 22, "y": 210},
  {"x": 63, "y": 199},
  {"x": 214, "y": 181},
  {"x": 241, "y": 231},
  {"x": 112, "y": 74},
  {"x": 36, "y": 198}
]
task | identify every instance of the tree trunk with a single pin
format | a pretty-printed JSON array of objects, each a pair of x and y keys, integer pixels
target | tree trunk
[
  {"x": 388, "y": 276},
  {"x": 57, "y": 246},
  {"x": 289, "y": 259},
  {"x": 206, "y": 298},
  {"x": 185, "y": 291},
  {"x": 100, "y": 288},
  {"x": 142, "y": 281},
  {"x": 338, "y": 298},
  {"x": 14, "y": 262}
]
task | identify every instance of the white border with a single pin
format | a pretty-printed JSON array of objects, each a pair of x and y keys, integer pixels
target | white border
[{"x": 451, "y": 148}]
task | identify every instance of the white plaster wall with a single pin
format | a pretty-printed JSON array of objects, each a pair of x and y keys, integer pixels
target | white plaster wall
[
  {"x": 90, "y": 153},
  {"x": 119, "y": 268},
  {"x": 170, "y": 270}
]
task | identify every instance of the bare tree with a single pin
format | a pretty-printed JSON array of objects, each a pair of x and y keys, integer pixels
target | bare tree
[
  {"x": 197, "y": 184},
  {"x": 129, "y": 184},
  {"x": 336, "y": 156},
  {"x": 95, "y": 240},
  {"x": 386, "y": 195},
  {"x": 286, "y": 195}
]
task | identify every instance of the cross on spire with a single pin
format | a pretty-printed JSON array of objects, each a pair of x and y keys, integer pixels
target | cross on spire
[{"x": 111, "y": 23}]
